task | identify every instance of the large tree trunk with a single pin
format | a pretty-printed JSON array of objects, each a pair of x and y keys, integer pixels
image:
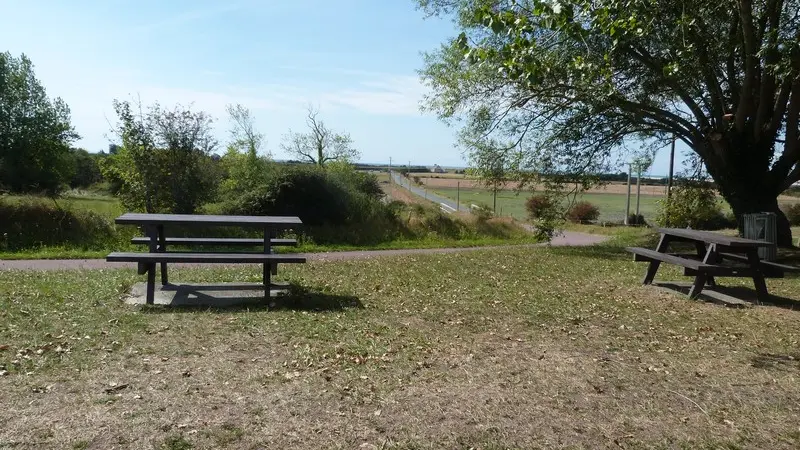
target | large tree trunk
[{"x": 743, "y": 180}]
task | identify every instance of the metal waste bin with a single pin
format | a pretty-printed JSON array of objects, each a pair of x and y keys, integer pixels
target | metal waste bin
[{"x": 761, "y": 226}]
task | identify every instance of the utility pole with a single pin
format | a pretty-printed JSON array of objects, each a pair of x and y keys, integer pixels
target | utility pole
[
  {"x": 671, "y": 167},
  {"x": 390, "y": 178},
  {"x": 628, "y": 199},
  {"x": 669, "y": 180},
  {"x": 638, "y": 189},
  {"x": 458, "y": 195}
]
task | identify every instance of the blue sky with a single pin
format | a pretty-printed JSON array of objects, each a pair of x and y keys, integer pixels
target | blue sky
[{"x": 354, "y": 59}]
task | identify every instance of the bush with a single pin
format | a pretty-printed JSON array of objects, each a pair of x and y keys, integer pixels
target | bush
[
  {"x": 792, "y": 212},
  {"x": 582, "y": 212},
  {"x": 33, "y": 223},
  {"x": 482, "y": 212},
  {"x": 696, "y": 206},
  {"x": 636, "y": 220},
  {"x": 317, "y": 196},
  {"x": 539, "y": 206}
]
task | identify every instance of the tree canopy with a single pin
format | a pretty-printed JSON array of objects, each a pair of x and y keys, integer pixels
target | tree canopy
[
  {"x": 571, "y": 82},
  {"x": 35, "y": 131},
  {"x": 319, "y": 144},
  {"x": 163, "y": 164}
]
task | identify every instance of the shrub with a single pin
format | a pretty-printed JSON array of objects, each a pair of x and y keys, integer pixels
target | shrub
[
  {"x": 482, "y": 212},
  {"x": 636, "y": 220},
  {"x": 32, "y": 223},
  {"x": 317, "y": 196},
  {"x": 792, "y": 212},
  {"x": 693, "y": 205},
  {"x": 539, "y": 206},
  {"x": 582, "y": 212}
]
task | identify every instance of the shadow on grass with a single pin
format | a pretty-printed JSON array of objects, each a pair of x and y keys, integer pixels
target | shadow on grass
[
  {"x": 776, "y": 362},
  {"x": 249, "y": 297},
  {"x": 735, "y": 296}
]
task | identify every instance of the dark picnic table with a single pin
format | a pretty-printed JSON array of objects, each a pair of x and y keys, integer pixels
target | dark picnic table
[
  {"x": 155, "y": 226},
  {"x": 716, "y": 255}
]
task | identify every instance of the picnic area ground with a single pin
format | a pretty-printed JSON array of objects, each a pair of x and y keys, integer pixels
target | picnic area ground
[{"x": 524, "y": 347}]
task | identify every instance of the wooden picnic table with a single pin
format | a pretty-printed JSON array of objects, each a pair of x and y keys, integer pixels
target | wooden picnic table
[
  {"x": 154, "y": 226},
  {"x": 716, "y": 255}
]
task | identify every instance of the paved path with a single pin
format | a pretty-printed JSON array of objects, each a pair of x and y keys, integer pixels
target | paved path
[
  {"x": 569, "y": 238},
  {"x": 447, "y": 205}
]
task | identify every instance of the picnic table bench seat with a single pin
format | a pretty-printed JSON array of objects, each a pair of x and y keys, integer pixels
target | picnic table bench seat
[
  {"x": 144, "y": 240},
  {"x": 221, "y": 258},
  {"x": 647, "y": 255}
]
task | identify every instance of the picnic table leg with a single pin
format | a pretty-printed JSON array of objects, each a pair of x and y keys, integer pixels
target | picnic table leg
[
  {"x": 152, "y": 233},
  {"x": 663, "y": 244},
  {"x": 697, "y": 287},
  {"x": 151, "y": 283},
  {"x": 267, "y": 250},
  {"x": 273, "y": 234},
  {"x": 758, "y": 277},
  {"x": 162, "y": 247},
  {"x": 709, "y": 256}
]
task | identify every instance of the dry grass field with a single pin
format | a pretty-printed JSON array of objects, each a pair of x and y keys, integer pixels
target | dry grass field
[{"x": 515, "y": 348}]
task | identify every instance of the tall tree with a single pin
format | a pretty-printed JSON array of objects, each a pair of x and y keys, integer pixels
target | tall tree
[
  {"x": 35, "y": 131},
  {"x": 164, "y": 162},
  {"x": 320, "y": 144},
  {"x": 593, "y": 75},
  {"x": 244, "y": 136},
  {"x": 245, "y": 170}
]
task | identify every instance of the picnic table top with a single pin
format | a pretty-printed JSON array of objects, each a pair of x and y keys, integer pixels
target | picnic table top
[
  {"x": 713, "y": 238},
  {"x": 208, "y": 219}
]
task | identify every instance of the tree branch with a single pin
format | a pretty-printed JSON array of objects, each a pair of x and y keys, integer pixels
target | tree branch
[{"x": 645, "y": 58}]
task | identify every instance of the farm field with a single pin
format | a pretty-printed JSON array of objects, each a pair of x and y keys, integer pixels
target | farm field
[
  {"x": 612, "y": 206},
  {"x": 427, "y": 351}
]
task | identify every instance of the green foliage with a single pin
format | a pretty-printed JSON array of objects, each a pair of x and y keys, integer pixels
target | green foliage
[
  {"x": 569, "y": 83},
  {"x": 583, "y": 212},
  {"x": 482, "y": 212},
  {"x": 694, "y": 205},
  {"x": 539, "y": 206},
  {"x": 164, "y": 163},
  {"x": 242, "y": 172},
  {"x": 34, "y": 223},
  {"x": 86, "y": 169},
  {"x": 35, "y": 132},
  {"x": 317, "y": 196},
  {"x": 792, "y": 212}
]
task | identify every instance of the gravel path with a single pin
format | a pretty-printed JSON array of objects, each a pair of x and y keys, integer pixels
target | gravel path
[{"x": 569, "y": 238}]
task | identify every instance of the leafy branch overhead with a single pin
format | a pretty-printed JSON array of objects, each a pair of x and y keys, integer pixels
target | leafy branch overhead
[
  {"x": 319, "y": 145},
  {"x": 572, "y": 82}
]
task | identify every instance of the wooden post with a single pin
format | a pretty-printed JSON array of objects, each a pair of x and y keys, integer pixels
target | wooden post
[
  {"x": 638, "y": 189},
  {"x": 628, "y": 198},
  {"x": 458, "y": 195}
]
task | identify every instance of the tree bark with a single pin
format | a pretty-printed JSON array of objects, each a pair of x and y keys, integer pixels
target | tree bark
[{"x": 744, "y": 181}]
